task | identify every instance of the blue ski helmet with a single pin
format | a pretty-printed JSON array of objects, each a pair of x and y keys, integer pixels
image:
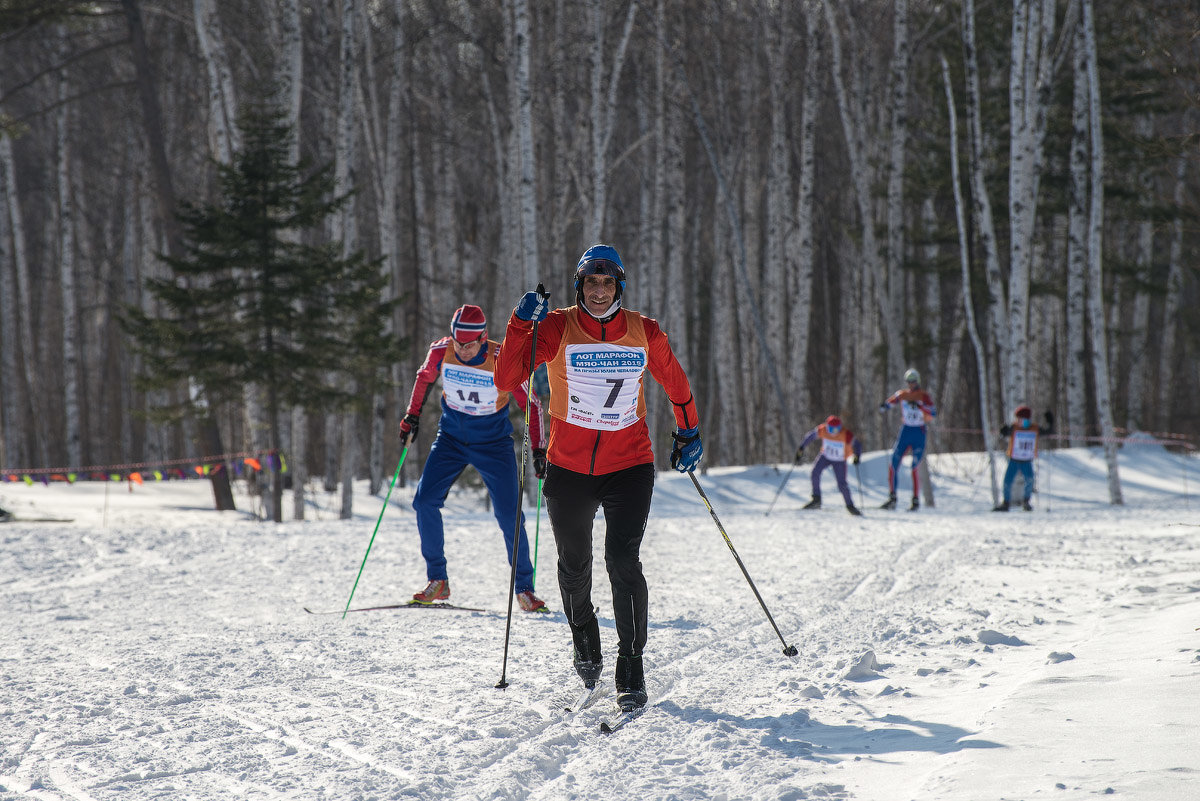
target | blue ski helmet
[
  {"x": 600, "y": 260},
  {"x": 912, "y": 375}
]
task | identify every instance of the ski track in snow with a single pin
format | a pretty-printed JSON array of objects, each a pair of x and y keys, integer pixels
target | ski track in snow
[{"x": 166, "y": 654}]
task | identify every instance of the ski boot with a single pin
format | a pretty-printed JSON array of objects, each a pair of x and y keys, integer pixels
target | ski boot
[
  {"x": 631, "y": 683},
  {"x": 890, "y": 503},
  {"x": 1026, "y": 505},
  {"x": 815, "y": 503},
  {"x": 436, "y": 590},
  {"x": 588, "y": 658},
  {"x": 916, "y": 504},
  {"x": 530, "y": 602},
  {"x": 852, "y": 509},
  {"x": 1001, "y": 507}
]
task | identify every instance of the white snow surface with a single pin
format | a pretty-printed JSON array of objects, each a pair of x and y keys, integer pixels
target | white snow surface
[{"x": 152, "y": 648}]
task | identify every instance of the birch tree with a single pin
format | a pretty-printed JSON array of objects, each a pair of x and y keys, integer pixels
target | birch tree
[
  {"x": 1030, "y": 93},
  {"x": 983, "y": 217},
  {"x": 605, "y": 80},
  {"x": 72, "y": 412},
  {"x": 960, "y": 216},
  {"x": 523, "y": 116},
  {"x": 1087, "y": 71},
  {"x": 1171, "y": 303}
]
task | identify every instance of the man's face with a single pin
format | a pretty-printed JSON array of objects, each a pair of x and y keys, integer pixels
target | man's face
[
  {"x": 912, "y": 385},
  {"x": 465, "y": 351},
  {"x": 599, "y": 292}
]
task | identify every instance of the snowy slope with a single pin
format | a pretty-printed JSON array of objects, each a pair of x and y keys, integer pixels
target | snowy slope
[{"x": 153, "y": 648}]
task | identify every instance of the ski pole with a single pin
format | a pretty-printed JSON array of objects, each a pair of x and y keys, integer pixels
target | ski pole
[
  {"x": 788, "y": 650},
  {"x": 382, "y": 509},
  {"x": 796, "y": 461},
  {"x": 512, "y": 580},
  {"x": 858, "y": 476},
  {"x": 537, "y": 531}
]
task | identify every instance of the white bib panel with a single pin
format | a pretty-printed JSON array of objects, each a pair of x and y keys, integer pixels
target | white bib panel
[
  {"x": 603, "y": 385},
  {"x": 469, "y": 390},
  {"x": 1024, "y": 444}
]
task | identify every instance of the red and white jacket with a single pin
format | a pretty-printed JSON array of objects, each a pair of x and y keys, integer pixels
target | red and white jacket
[{"x": 597, "y": 405}]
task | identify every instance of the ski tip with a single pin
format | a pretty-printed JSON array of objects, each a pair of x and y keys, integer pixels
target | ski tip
[{"x": 604, "y": 727}]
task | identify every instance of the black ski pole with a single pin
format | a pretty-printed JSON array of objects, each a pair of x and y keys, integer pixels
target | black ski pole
[
  {"x": 788, "y": 650},
  {"x": 796, "y": 461},
  {"x": 512, "y": 578}
]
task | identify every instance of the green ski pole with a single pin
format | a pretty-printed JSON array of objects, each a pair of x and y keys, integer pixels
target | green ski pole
[
  {"x": 395, "y": 475},
  {"x": 537, "y": 530}
]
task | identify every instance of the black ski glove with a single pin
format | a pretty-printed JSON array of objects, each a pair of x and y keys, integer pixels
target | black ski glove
[
  {"x": 408, "y": 427},
  {"x": 539, "y": 462}
]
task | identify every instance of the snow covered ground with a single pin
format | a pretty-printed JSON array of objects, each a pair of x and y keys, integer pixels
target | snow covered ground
[{"x": 153, "y": 648}]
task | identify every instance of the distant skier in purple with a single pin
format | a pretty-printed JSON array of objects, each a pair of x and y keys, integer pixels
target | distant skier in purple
[{"x": 835, "y": 439}]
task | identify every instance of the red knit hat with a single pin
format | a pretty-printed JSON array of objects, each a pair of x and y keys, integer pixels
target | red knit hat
[
  {"x": 1025, "y": 412},
  {"x": 833, "y": 421},
  {"x": 468, "y": 324}
]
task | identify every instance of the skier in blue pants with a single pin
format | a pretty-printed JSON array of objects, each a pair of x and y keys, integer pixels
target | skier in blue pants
[{"x": 474, "y": 430}]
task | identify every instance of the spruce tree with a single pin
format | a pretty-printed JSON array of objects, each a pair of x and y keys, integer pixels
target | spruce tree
[{"x": 260, "y": 297}]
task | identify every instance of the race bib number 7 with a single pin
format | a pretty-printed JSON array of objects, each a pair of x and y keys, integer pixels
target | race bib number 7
[{"x": 604, "y": 385}]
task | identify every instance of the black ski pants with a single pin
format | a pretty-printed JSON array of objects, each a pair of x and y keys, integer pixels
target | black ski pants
[{"x": 572, "y": 500}]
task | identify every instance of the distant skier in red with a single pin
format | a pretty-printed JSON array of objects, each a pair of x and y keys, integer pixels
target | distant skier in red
[{"x": 917, "y": 409}]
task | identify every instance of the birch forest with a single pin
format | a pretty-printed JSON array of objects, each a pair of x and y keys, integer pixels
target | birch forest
[{"x": 810, "y": 196}]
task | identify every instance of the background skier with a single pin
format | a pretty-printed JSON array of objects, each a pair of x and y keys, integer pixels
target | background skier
[
  {"x": 917, "y": 409},
  {"x": 835, "y": 439},
  {"x": 1022, "y": 449},
  {"x": 474, "y": 430}
]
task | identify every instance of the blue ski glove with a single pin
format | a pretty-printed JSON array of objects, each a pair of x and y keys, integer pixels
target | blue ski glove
[
  {"x": 687, "y": 451},
  {"x": 533, "y": 307}
]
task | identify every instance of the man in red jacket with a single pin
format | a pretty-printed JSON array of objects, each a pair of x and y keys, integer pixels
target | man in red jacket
[{"x": 596, "y": 356}]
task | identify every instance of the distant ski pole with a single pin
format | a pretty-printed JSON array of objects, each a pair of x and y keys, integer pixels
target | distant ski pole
[
  {"x": 382, "y": 509},
  {"x": 512, "y": 579},
  {"x": 858, "y": 476},
  {"x": 796, "y": 461},
  {"x": 788, "y": 650}
]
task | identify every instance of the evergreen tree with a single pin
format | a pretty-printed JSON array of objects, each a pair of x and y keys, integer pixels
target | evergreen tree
[{"x": 257, "y": 298}]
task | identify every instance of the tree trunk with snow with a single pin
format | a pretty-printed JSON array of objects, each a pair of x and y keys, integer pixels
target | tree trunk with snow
[{"x": 605, "y": 79}]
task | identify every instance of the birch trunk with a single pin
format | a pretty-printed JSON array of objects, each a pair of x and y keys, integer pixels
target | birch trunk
[
  {"x": 1166, "y": 357},
  {"x": 605, "y": 82},
  {"x": 1077, "y": 258},
  {"x": 1086, "y": 39},
  {"x": 960, "y": 216},
  {"x": 1139, "y": 333},
  {"x": 345, "y": 224},
  {"x": 984, "y": 222},
  {"x": 32, "y": 381},
  {"x": 289, "y": 78},
  {"x": 898, "y": 113},
  {"x": 222, "y": 97},
  {"x": 11, "y": 406},
  {"x": 72, "y": 412},
  {"x": 800, "y": 266},
  {"x": 1030, "y": 90},
  {"x": 855, "y": 132},
  {"x": 779, "y": 224},
  {"x": 523, "y": 115}
]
